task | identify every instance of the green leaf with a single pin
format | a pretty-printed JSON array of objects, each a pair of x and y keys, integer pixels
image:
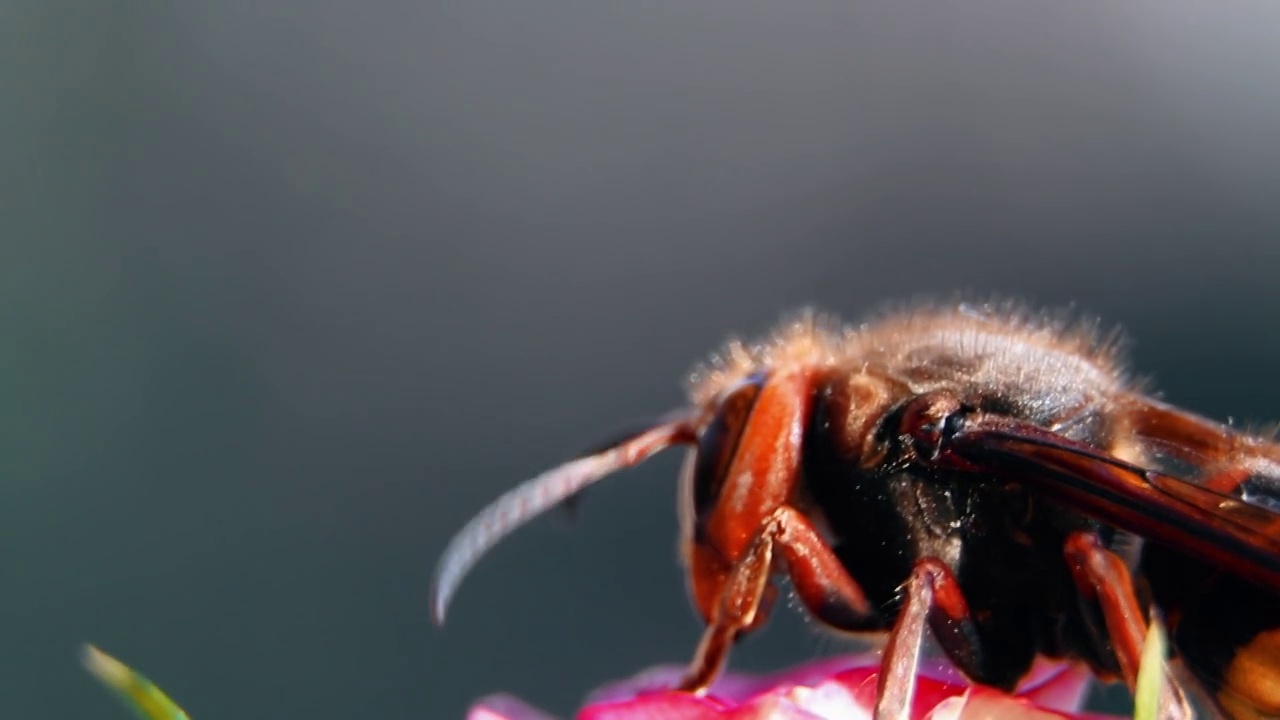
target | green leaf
[
  {"x": 1151, "y": 674},
  {"x": 137, "y": 693}
]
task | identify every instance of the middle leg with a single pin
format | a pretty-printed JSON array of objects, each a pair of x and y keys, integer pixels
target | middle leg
[{"x": 932, "y": 600}]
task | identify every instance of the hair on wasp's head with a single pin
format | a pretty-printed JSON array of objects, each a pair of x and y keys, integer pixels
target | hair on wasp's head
[{"x": 539, "y": 494}]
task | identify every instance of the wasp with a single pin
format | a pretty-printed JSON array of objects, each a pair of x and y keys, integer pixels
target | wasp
[{"x": 985, "y": 478}]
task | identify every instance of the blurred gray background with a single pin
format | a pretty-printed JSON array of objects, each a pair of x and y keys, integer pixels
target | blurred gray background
[{"x": 290, "y": 289}]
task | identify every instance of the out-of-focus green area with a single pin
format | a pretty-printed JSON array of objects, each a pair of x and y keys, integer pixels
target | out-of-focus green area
[
  {"x": 289, "y": 290},
  {"x": 134, "y": 690}
]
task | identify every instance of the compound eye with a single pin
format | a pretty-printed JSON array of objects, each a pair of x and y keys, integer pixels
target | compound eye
[{"x": 930, "y": 419}]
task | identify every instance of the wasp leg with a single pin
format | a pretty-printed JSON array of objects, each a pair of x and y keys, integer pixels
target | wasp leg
[
  {"x": 933, "y": 598},
  {"x": 821, "y": 583},
  {"x": 1103, "y": 576}
]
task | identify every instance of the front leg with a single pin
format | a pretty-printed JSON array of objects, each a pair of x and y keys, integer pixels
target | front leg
[
  {"x": 932, "y": 599},
  {"x": 823, "y": 585},
  {"x": 743, "y": 526}
]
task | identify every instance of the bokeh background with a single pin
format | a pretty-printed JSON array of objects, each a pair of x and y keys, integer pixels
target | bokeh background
[{"x": 289, "y": 289}]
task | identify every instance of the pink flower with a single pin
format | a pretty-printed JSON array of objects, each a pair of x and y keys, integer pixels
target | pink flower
[{"x": 832, "y": 689}]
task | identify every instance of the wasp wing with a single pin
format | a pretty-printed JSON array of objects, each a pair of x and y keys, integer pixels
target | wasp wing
[{"x": 1219, "y": 528}]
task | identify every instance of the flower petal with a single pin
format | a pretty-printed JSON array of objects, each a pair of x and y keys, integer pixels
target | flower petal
[
  {"x": 771, "y": 706},
  {"x": 981, "y": 703},
  {"x": 657, "y": 706},
  {"x": 1063, "y": 687},
  {"x": 505, "y": 707},
  {"x": 839, "y": 688}
]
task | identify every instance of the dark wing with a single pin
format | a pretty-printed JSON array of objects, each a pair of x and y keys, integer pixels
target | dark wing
[
  {"x": 1218, "y": 527},
  {"x": 1241, "y": 464}
]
